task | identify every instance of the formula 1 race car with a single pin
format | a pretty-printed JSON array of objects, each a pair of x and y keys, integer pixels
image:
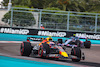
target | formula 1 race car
[
  {"x": 47, "y": 48},
  {"x": 74, "y": 41}
]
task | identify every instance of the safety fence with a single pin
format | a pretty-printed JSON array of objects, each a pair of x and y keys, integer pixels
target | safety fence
[{"x": 53, "y": 19}]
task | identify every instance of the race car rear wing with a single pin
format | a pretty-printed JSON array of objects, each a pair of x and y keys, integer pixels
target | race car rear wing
[{"x": 34, "y": 39}]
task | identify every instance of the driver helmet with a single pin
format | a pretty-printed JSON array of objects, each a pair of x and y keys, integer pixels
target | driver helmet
[{"x": 49, "y": 38}]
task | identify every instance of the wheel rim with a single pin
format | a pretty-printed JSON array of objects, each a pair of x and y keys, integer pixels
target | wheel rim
[
  {"x": 22, "y": 49},
  {"x": 40, "y": 52}
]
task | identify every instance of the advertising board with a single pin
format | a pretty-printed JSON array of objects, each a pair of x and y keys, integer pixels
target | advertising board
[{"x": 53, "y": 33}]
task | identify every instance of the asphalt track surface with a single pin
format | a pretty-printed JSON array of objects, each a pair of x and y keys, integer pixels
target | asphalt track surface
[{"x": 92, "y": 56}]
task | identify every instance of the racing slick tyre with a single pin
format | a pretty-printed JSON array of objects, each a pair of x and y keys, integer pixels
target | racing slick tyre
[
  {"x": 78, "y": 43},
  {"x": 44, "y": 50},
  {"x": 76, "y": 52},
  {"x": 87, "y": 44},
  {"x": 25, "y": 49}
]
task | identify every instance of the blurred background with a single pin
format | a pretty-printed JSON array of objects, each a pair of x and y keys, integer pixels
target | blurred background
[{"x": 67, "y": 15}]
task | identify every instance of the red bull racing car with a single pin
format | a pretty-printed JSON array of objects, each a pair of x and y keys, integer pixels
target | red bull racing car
[{"x": 47, "y": 48}]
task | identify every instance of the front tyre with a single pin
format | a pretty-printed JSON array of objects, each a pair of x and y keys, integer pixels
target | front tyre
[
  {"x": 44, "y": 50},
  {"x": 25, "y": 49},
  {"x": 76, "y": 52}
]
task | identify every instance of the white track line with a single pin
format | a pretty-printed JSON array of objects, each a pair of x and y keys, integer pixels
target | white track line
[
  {"x": 33, "y": 42},
  {"x": 14, "y": 42},
  {"x": 10, "y": 41},
  {"x": 95, "y": 44}
]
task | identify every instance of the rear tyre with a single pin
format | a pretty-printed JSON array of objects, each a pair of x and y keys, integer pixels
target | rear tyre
[
  {"x": 76, "y": 52},
  {"x": 87, "y": 44},
  {"x": 25, "y": 49},
  {"x": 78, "y": 43},
  {"x": 60, "y": 41}
]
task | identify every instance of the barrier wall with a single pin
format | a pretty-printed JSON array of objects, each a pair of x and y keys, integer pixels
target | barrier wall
[{"x": 21, "y": 34}]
